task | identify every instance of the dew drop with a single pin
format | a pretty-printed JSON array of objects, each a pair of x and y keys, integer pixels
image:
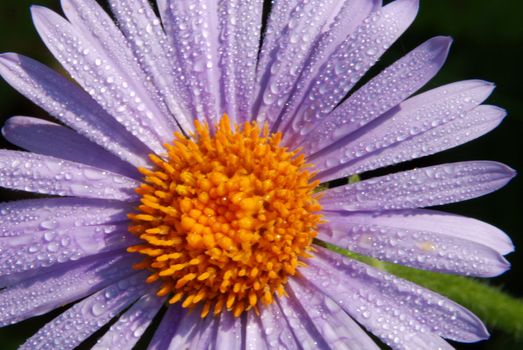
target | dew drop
[{"x": 97, "y": 309}]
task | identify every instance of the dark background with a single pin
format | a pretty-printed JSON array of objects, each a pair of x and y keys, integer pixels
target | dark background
[{"x": 488, "y": 41}]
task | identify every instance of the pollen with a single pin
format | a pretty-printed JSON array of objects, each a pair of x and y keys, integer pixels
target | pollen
[{"x": 225, "y": 218}]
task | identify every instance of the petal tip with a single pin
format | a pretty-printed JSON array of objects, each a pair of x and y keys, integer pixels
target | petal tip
[
  {"x": 442, "y": 39},
  {"x": 37, "y": 14},
  {"x": 510, "y": 247},
  {"x": 505, "y": 172},
  {"x": 477, "y": 332},
  {"x": 8, "y": 57},
  {"x": 482, "y": 333},
  {"x": 440, "y": 45},
  {"x": 505, "y": 264},
  {"x": 501, "y": 266},
  {"x": 40, "y": 14},
  {"x": 37, "y": 9},
  {"x": 509, "y": 172},
  {"x": 407, "y": 9},
  {"x": 496, "y": 111},
  {"x": 489, "y": 84},
  {"x": 413, "y": 4}
]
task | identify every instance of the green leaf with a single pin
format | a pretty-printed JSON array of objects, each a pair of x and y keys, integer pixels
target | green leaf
[{"x": 496, "y": 308}]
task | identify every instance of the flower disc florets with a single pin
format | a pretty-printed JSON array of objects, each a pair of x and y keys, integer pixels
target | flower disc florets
[{"x": 225, "y": 219}]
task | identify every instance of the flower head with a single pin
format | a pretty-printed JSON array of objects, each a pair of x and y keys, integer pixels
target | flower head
[
  {"x": 195, "y": 173},
  {"x": 225, "y": 219}
]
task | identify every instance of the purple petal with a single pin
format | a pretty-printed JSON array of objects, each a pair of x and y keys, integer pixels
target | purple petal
[
  {"x": 33, "y": 215},
  {"x": 25, "y": 219},
  {"x": 45, "y": 248},
  {"x": 385, "y": 236},
  {"x": 230, "y": 333},
  {"x": 240, "y": 24},
  {"x": 43, "y": 174},
  {"x": 397, "y": 311},
  {"x": 279, "y": 17},
  {"x": 278, "y": 334},
  {"x": 102, "y": 33},
  {"x": 410, "y": 119},
  {"x": 206, "y": 336},
  {"x": 351, "y": 60},
  {"x": 150, "y": 45},
  {"x": 350, "y": 16},
  {"x": 254, "y": 333},
  {"x": 423, "y": 187},
  {"x": 293, "y": 49},
  {"x": 48, "y": 291},
  {"x": 189, "y": 327},
  {"x": 75, "y": 108},
  {"x": 337, "y": 328},
  {"x": 103, "y": 78},
  {"x": 447, "y": 224},
  {"x": 76, "y": 324},
  {"x": 167, "y": 328},
  {"x": 40, "y": 136},
  {"x": 131, "y": 325},
  {"x": 193, "y": 29},
  {"x": 301, "y": 324},
  {"x": 455, "y": 132},
  {"x": 378, "y": 95}
]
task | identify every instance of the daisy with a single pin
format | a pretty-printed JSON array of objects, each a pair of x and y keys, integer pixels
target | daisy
[{"x": 186, "y": 172}]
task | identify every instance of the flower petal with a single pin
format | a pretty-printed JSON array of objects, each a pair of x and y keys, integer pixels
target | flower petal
[
  {"x": 447, "y": 224},
  {"x": 167, "y": 328},
  {"x": 455, "y": 132},
  {"x": 402, "y": 314},
  {"x": 423, "y": 187},
  {"x": 278, "y": 20},
  {"x": 377, "y": 96},
  {"x": 351, "y": 60},
  {"x": 33, "y": 215},
  {"x": 74, "y": 107},
  {"x": 89, "y": 315},
  {"x": 99, "y": 73},
  {"x": 338, "y": 329},
  {"x": 189, "y": 327},
  {"x": 410, "y": 119},
  {"x": 344, "y": 23},
  {"x": 131, "y": 325},
  {"x": 230, "y": 333},
  {"x": 150, "y": 45},
  {"x": 193, "y": 29},
  {"x": 95, "y": 25},
  {"x": 206, "y": 336},
  {"x": 290, "y": 54},
  {"x": 240, "y": 25},
  {"x": 396, "y": 238},
  {"x": 48, "y": 291},
  {"x": 278, "y": 333},
  {"x": 45, "y": 248},
  {"x": 22, "y": 221},
  {"x": 40, "y": 136},
  {"x": 254, "y": 333},
  {"x": 301, "y": 324},
  {"x": 43, "y": 174}
]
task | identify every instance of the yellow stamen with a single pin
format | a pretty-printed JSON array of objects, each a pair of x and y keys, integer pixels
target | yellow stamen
[{"x": 225, "y": 219}]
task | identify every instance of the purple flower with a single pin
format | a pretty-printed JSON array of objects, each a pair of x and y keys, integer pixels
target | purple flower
[{"x": 219, "y": 221}]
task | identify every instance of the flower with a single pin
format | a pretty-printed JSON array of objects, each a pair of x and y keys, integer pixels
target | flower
[{"x": 221, "y": 221}]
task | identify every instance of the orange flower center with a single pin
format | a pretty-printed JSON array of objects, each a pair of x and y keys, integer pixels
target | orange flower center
[{"x": 225, "y": 219}]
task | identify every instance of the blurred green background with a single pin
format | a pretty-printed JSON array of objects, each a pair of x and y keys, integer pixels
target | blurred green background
[{"x": 488, "y": 42}]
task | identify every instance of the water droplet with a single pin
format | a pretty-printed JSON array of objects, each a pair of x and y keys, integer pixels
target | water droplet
[{"x": 97, "y": 309}]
